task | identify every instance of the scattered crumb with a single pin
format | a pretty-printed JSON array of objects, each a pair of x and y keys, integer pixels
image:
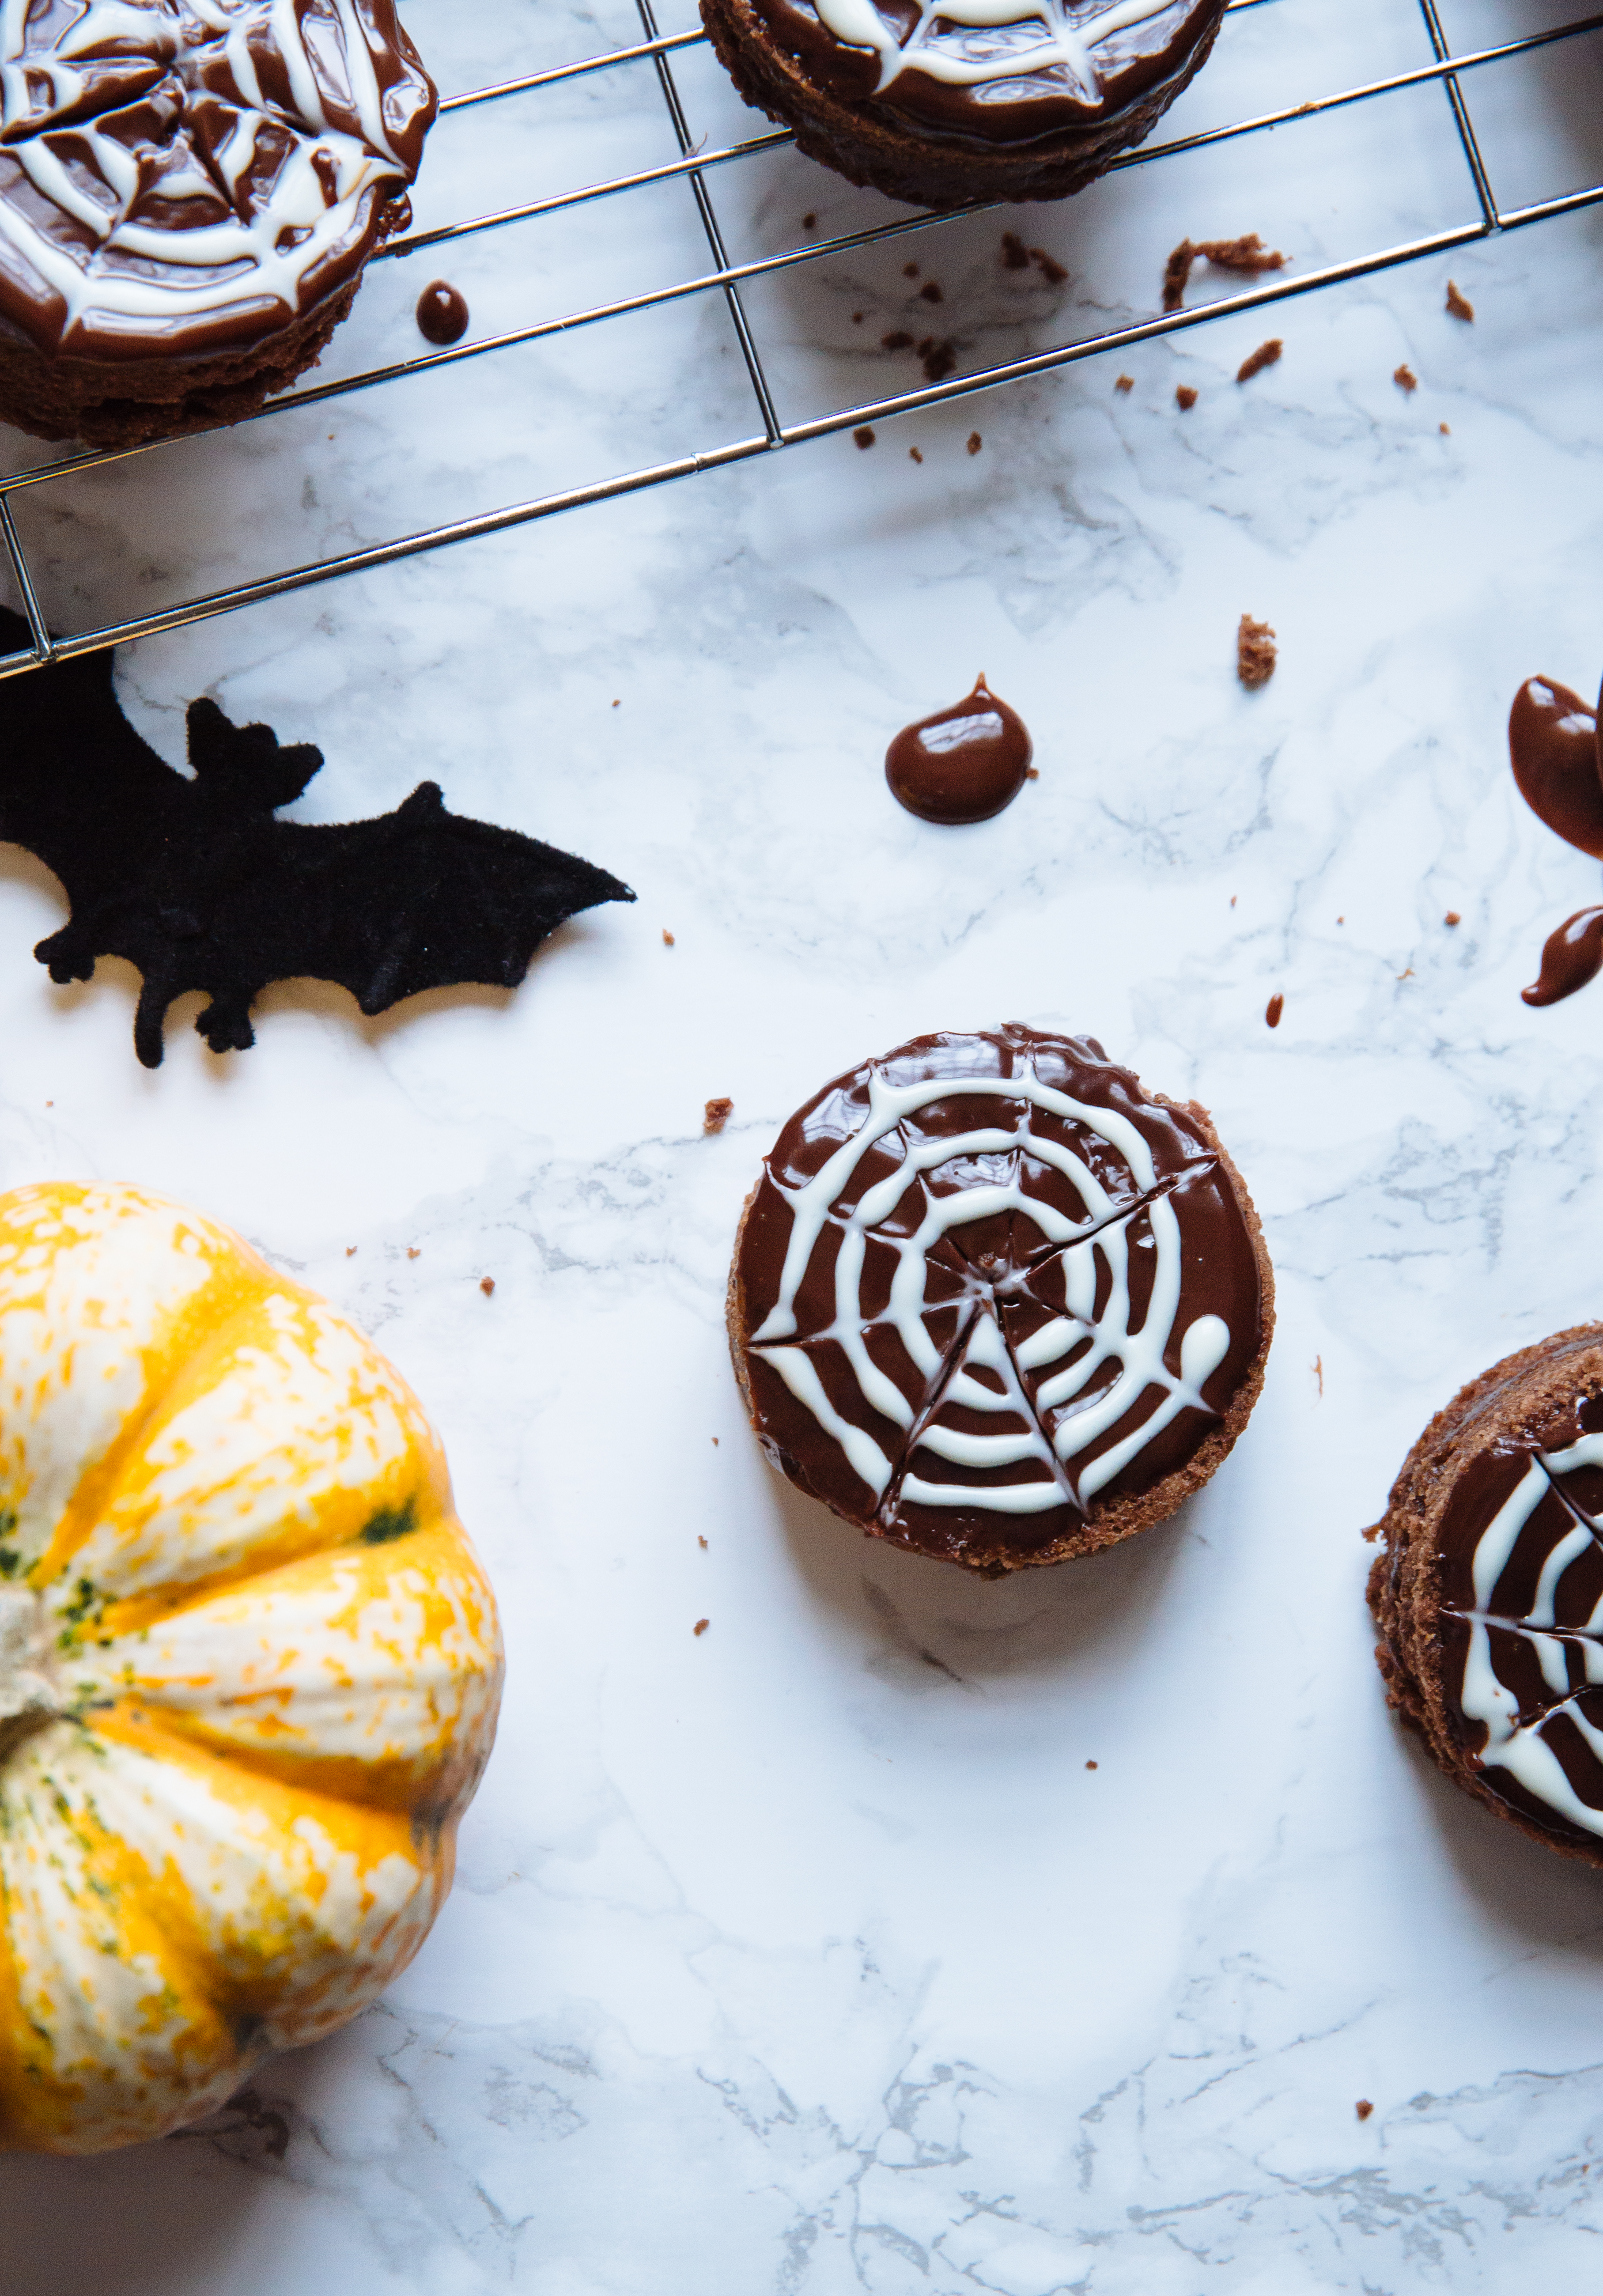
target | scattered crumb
[
  {"x": 898, "y": 340},
  {"x": 414, "y": 1252},
  {"x": 1233, "y": 899},
  {"x": 700, "y": 1540},
  {"x": 809, "y": 222},
  {"x": 1364, "y": 2108},
  {"x": 487, "y": 1285},
  {"x": 350, "y": 1250},
  {"x": 1407, "y": 973},
  {"x": 974, "y": 442},
  {"x": 1459, "y": 307},
  {"x": 1452, "y": 918},
  {"x": 1266, "y": 355},
  {"x": 702, "y": 1625},
  {"x": 617, "y": 705},
  {"x": 1015, "y": 254},
  {"x": 914, "y": 456},
  {"x": 857, "y": 317},
  {"x": 1255, "y": 653},
  {"x": 1032, "y": 772},
  {"x": 1444, "y": 430},
  {"x": 1125, "y": 382},
  {"x": 1054, "y": 272},
  {"x": 668, "y": 938},
  {"x": 714, "y": 1442},
  {"x": 1185, "y": 397},
  {"x": 1341, "y": 920},
  {"x": 1319, "y": 1372},
  {"x": 1273, "y": 1010},
  {"x": 910, "y": 271},
  {"x": 50, "y": 1104},
  {"x": 1406, "y": 378},
  {"x": 931, "y": 291},
  {"x": 1247, "y": 253},
  {"x": 1091, "y": 1766},
  {"x": 863, "y": 439},
  {"x": 714, "y": 1115},
  {"x": 939, "y": 357}
]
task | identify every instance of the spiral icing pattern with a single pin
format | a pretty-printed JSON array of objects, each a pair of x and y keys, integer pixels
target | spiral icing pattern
[
  {"x": 988, "y": 1283},
  {"x": 180, "y": 177}
]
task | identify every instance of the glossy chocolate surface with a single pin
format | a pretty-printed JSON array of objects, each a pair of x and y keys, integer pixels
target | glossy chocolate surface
[
  {"x": 991, "y": 75},
  {"x": 963, "y": 764},
  {"x": 179, "y": 178},
  {"x": 981, "y": 1266},
  {"x": 1538, "y": 1615},
  {"x": 1553, "y": 746},
  {"x": 442, "y": 314},
  {"x": 1570, "y": 957}
]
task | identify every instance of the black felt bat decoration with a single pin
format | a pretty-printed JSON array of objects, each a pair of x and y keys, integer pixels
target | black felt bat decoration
[{"x": 195, "y": 883}]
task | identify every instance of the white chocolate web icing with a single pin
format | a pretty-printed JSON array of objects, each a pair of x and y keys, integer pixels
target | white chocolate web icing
[
  {"x": 984, "y": 50},
  {"x": 1516, "y": 1739},
  {"x": 187, "y": 161},
  {"x": 1056, "y": 1393}
]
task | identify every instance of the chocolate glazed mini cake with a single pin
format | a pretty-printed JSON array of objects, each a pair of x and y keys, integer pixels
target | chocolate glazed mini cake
[
  {"x": 941, "y": 102},
  {"x": 993, "y": 1301},
  {"x": 188, "y": 190},
  {"x": 1489, "y": 1596}
]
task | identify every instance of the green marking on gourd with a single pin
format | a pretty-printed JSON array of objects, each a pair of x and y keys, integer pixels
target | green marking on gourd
[{"x": 390, "y": 1523}]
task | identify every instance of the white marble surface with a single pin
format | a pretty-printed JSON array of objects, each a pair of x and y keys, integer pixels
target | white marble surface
[{"x": 809, "y": 1956}]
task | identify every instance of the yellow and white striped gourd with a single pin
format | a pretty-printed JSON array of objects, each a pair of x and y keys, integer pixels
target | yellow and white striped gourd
[{"x": 249, "y": 1667}]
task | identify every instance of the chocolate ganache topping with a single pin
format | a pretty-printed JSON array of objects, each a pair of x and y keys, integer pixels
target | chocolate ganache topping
[
  {"x": 987, "y": 1282},
  {"x": 1559, "y": 770},
  {"x": 178, "y": 178},
  {"x": 1521, "y": 1586},
  {"x": 993, "y": 71},
  {"x": 962, "y": 764}
]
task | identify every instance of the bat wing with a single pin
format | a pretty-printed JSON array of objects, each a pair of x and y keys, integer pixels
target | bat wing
[{"x": 425, "y": 899}]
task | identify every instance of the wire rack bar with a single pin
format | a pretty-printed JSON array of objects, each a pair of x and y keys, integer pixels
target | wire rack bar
[{"x": 727, "y": 278}]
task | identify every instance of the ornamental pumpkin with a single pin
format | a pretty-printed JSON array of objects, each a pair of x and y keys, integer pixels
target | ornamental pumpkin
[{"x": 249, "y": 1667}]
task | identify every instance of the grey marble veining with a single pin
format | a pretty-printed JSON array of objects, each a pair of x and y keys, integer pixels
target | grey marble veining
[{"x": 809, "y": 1956}]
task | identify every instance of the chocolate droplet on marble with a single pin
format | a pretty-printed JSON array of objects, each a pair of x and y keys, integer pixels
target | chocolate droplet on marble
[
  {"x": 442, "y": 314},
  {"x": 1570, "y": 958},
  {"x": 1553, "y": 743},
  {"x": 965, "y": 763}
]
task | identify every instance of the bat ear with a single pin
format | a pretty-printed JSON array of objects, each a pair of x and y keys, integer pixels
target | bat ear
[
  {"x": 243, "y": 764},
  {"x": 423, "y": 805}
]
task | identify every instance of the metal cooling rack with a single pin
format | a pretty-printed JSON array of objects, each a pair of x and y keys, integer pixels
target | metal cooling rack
[{"x": 1455, "y": 71}]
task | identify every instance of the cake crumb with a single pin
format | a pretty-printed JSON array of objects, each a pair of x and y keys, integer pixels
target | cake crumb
[
  {"x": 931, "y": 291},
  {"x": 1364, "y": 2108},
  {"x": 1255, "y": 653},
  {"x": 939, "y": 356},
  {"x": 974, "y": 442},
  {"x": 1185, "y": 397},
  {"x": 1319, "y": 1374},
  {"x": 702, "y": 1625},
  {"x": 898, "y": 340},
  {"x": 487, "y": 1285},
  {"x": 1124, "y": 383},
  {"x": 716, "y": 1114},
  {"x": 1406, "y": 378},
  {"x": 1015, "y": 254},
  {"x": 914, "y": 456},
  {"x": 1234, "y": 899},
  {"x": 809, "y": 222},
  {"x": 1444, "y": 430},
  {"x": 668, "y": 938},
  {"x": 414, "y": 1252},
  {"x": 1407, "y": 973},
  {"x": 1054, "y": 272},
  {"x": 700, "y": 1541},
  {"x": 350, "y": 1250},
  {"x": 1459, "y": 307},
  {"x": 857, "y": 318},
  {"x": 1266, "y": 355},
  {"x": 1452, "y": 918},
  {"x": 617, "y": 705},
  {"x": 1273, "y": 1010},
  {"x": 863, "y": 439},
  {"x": 910, "y": 271},
  {"x": 1032, "y": 772},
  {"x": 1247, "y": 253},
  {"x": 1091, "y": 1766}
]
